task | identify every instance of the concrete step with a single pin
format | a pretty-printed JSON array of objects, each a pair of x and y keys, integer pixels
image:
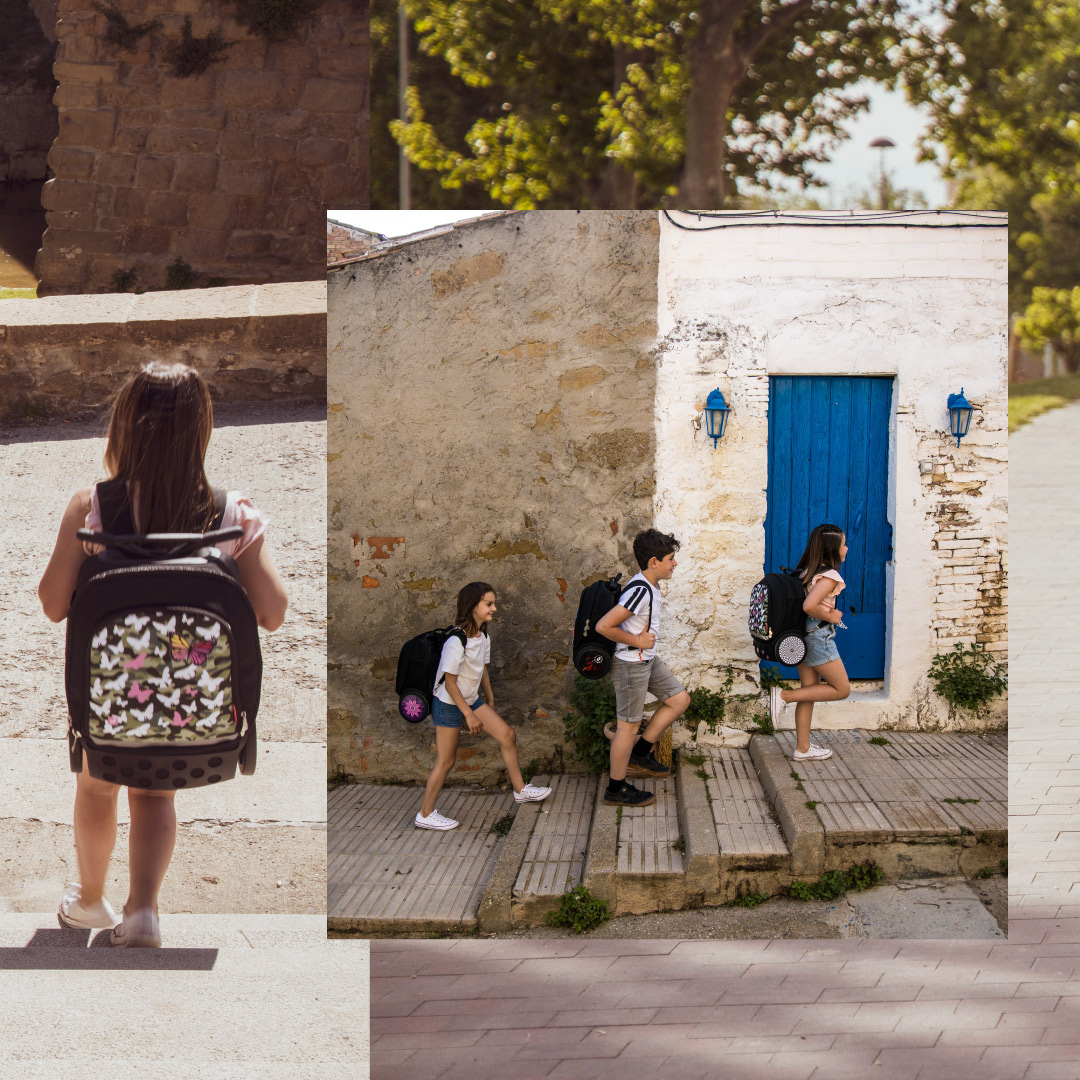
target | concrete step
[{"x": 727, "y": 823}]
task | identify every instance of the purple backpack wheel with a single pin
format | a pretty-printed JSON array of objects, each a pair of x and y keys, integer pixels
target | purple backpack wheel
[{"x": 414, "y": 705}]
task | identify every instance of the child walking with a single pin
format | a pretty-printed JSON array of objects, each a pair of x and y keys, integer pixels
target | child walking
[
  {"x": 634, "y": 625},
  {"x": 157, "y": 437},
  {"x": 819, "y": 570},
  {"x": 459, "y": 683}
]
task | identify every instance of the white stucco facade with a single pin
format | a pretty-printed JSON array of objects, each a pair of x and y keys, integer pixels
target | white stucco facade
[{"x": 919, "y": 298}]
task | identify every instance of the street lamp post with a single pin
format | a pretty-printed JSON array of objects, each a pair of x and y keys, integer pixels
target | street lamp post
[{"x": 882, "y": 144}]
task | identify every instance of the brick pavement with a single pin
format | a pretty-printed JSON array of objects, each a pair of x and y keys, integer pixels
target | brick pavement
[{"x": 806, "y": 1010}]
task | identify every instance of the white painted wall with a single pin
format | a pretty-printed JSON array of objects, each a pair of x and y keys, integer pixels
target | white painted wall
[{"x": 925, "y": 305}]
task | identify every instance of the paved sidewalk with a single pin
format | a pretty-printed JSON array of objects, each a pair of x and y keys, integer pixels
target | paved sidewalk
[
  {"x": 804, "y": 1010},
  {"x": 229, "y": 997}
]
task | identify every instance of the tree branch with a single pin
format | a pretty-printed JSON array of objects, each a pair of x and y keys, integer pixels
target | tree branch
[{"x": 780, "y": 21}]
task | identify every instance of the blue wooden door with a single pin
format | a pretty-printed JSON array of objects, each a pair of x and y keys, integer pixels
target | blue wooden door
[{"x": 828, "y": 461}]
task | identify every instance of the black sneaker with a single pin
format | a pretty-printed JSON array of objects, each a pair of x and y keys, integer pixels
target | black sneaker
[
  {"x": 646, "y": 765},
  {"x": 628, "y": 795}
]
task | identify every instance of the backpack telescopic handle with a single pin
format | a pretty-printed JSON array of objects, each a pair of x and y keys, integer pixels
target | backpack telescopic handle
[{"x": 151, "y": 544}]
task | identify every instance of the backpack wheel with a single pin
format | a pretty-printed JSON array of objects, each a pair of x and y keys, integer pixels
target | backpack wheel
[
  {"x": 414, "y": 705},
  {"x": 592, "y": 661},
  {"x": 790, "y": 649}
]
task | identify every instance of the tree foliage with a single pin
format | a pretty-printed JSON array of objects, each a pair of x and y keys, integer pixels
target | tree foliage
[
  {"x": 606, "y": 103},
  {"x": 1003, "y": 82}
]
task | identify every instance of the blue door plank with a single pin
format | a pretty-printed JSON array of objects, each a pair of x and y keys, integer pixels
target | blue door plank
[{"x": 828, "y": 461}]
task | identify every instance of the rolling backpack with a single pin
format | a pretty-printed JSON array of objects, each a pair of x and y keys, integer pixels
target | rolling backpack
[
  {"x": 777, "y": 620},
  {"x": 592, "y": 651},
  {"x": 418, "y": 664},
  {"x": 163, "y": 669}
]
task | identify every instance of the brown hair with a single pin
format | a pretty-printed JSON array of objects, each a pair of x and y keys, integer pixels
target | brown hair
[
  {"x": 822, "y": 552},
  {"x": 157, "y": 438},
  {"x": 467, "y": 599},
  {"x": 653, "y": 544}
]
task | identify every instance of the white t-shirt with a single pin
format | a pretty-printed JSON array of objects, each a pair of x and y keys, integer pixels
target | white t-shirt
[
  {"x": 467, "y": 663},
  {"x": 635, "y": 598}
]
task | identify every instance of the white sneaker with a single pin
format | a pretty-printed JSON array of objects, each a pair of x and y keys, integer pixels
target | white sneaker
[
  {"x": 73, "y": 914},
  {"x": 434, "y": 820},
  {"x": 781, "y": 712},
  {"x": 529, "y": 793},
  {"x": 818, "y": 753}
]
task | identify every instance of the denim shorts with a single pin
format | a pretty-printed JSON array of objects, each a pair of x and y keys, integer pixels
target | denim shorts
[
  {"x": 450, "y": 715},
  {"x": 820, "y": 646}
]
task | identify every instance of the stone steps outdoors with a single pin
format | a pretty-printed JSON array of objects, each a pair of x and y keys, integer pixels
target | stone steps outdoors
[{"x": 728, "y": 822}]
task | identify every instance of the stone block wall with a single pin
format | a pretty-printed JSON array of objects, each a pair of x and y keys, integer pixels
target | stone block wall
[
  {"x": 491, "y": 417},
  {"x": 229, "y": 170},
  {"x": 27, "y": 114},
  {"x": 65, "y": 356}
]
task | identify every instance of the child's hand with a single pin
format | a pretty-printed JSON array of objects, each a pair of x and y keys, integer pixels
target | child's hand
[
  {"x": 836, "y": 616},
  {"x": 646, "y": 639},
  {"x": 473, "y": 724}
]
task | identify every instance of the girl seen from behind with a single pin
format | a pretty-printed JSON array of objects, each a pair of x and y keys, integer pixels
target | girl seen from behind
[
  {"x": 459, "y": 683},
  {"x": 819, "y": 571},
  {"x": 157, "y": 439}
]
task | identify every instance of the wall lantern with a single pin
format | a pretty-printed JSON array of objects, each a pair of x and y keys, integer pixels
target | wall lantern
[
  {"x": 716, "y": 414},
  {"x": 959, "y": 415}
]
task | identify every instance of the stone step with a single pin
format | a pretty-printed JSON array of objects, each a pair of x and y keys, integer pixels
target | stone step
[{"x": 728, "y": 822}]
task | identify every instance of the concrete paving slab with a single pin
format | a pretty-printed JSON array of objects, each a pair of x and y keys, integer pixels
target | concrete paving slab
[
  {"x": 384, "y": 874},
  {"x": 745, "y": 823},
  {"x": 554, "y": 860},
  {"x": 934, "y": 909},
  {"x": 292, "y": 1004},
  {"x": 646, "y": 834}
]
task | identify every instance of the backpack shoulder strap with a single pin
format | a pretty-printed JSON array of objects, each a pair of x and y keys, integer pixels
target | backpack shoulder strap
[
  {"x": 113, "y": 503},
  {"x": 453, "y": 631}
]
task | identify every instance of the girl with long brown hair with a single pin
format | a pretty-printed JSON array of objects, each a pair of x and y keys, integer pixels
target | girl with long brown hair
[
  {"x": 461, "y": 679},
  {"x": 158, "y": 433},
  {"x": 822, "y": 676}
]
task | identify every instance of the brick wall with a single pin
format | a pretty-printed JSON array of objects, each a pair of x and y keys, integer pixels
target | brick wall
[
  {"x": 343, "y": 242},
  {"x": 228, "y": 170}
]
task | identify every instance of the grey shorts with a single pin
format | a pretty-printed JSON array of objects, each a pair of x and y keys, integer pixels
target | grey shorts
[
  {"x": 635, "y": 679},
  {"x": 820, "y": 646}
]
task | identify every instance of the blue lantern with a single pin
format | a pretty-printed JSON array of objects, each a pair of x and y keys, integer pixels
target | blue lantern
[
  {"x": 959, "y": 415},
  {"x": 716, "y": 414}
]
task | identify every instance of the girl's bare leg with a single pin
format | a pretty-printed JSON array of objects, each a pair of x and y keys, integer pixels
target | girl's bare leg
[
  {"x": 95, "y": 833},
  {"x": 835, "y": 688},
  {"x": 150, "y": 846},
  {"x": 506, "y": 737},
  {"x": 446, "y": 744}
]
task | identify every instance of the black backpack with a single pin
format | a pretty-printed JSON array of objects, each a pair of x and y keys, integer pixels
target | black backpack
[
  {"x": 417, "y": 666},
  {"x": 163, "y": 667},
  {"x": 593, "y": 651},
  {"x": 777, "y": 620}
]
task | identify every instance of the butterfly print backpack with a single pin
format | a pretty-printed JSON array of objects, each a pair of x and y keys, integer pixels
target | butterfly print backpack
[{"x": 163, "y": 666}]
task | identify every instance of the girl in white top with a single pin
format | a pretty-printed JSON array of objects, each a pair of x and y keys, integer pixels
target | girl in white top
[
  {"x": 819, "y": 569},
  {"x": 461, "y": 679}
]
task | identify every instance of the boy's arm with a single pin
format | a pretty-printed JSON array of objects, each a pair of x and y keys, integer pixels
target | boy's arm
[
  {"x": 814, "y": 602},
  {"x": 610, "y": 627}
]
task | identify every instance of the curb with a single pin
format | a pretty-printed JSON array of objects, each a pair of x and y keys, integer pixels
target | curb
[
  {"x": 802, "y": 828},
  {"x": 494, "y": 913},
  {"x": 701, "y": 857}
]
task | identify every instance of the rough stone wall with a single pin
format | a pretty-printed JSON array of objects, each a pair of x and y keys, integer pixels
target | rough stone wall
[
  {"x": 27, "y": 114},
  {"x": 925, "y": 305},
  {"x": 65, "y": 356},
  {"x": 491, "y": 417},
  {"x": 229, "y": 170}
]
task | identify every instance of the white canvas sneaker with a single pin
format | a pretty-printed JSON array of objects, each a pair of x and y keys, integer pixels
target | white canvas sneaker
[
  {"x": 818, "y": 753},
  {"x": 434, "y": 820},
  {"x": 781, "y": 712},
  {"x": 532, "y": 794}
]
